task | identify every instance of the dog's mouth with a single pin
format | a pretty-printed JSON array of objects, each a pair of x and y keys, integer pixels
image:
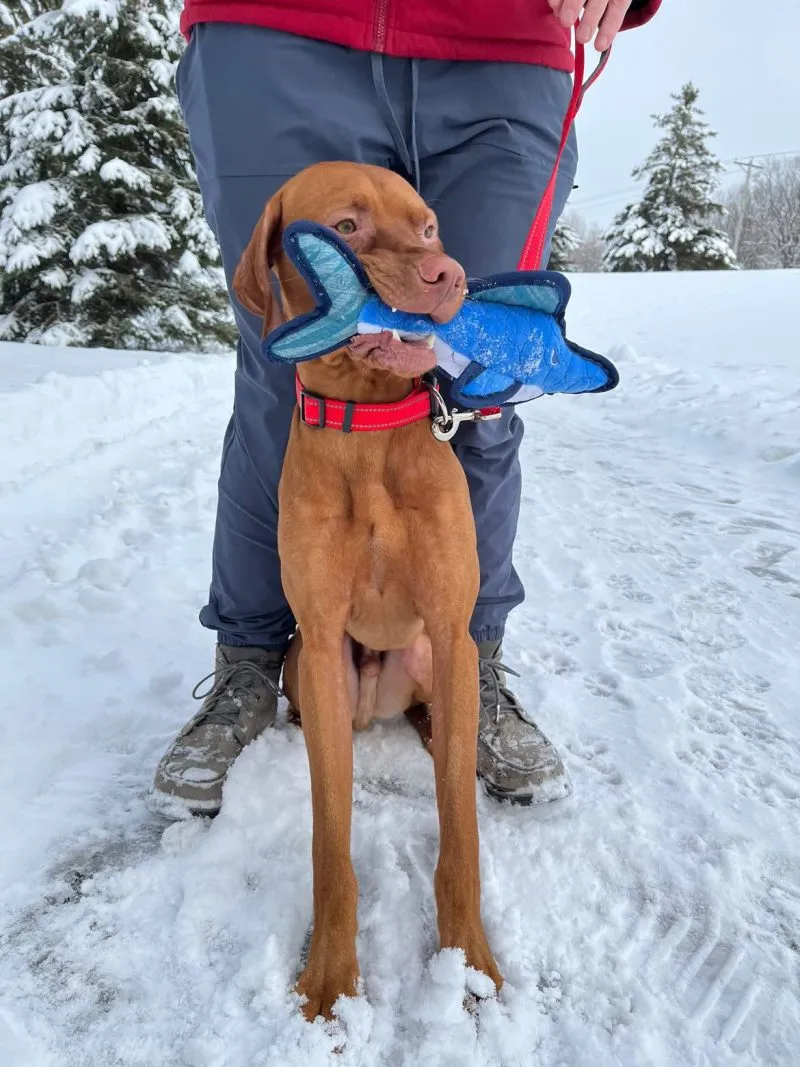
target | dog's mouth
[{"x": 405, "y": 357}]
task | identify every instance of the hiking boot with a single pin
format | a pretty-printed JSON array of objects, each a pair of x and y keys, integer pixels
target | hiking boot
[
  {"x": 515, "y": 760},
  {"x": 241, "y": 702}
]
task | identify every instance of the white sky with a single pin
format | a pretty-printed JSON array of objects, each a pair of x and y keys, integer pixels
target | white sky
[{"x": 741, "y": 55}]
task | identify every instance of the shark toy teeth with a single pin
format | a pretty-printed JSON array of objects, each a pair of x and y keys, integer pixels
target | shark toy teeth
[{"x": 505, "y": 346}]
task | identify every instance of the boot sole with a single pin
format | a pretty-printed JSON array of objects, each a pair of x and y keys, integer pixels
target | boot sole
[
  {"x": 526, "y": 800},
  {"x": 507, "y": 798},
  {"x": 175, "y": 809}
]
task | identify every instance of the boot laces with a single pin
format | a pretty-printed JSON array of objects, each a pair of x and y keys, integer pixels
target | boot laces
[
  {"x": 493, "y": 693},
  {"x": 233, "y": 681}
]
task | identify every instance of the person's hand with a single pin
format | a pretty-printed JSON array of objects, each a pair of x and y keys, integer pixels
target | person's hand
[{"x": 607, "y": 14}]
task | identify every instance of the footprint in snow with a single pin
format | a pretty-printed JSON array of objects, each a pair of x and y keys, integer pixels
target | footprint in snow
[{"x": 629, "y": 588}]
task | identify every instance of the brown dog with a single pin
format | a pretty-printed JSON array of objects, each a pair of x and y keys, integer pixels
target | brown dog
[{"x": 378, "y": 557}]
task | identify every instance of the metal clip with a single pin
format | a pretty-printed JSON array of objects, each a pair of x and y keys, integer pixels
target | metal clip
[
  {"x": 445, "y": 429},
  {"x": 445, "y": 425}
]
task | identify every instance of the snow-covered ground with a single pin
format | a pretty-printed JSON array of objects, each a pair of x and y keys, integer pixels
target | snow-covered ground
[{"x": 652, "y": 921}]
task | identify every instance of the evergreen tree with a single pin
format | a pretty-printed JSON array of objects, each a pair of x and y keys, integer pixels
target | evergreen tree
[
  {"x": 673, "y": 226},
  {"x": 565, "y": 243},
  {"x": 14, "y": 13},
  {"x": 102, "y": 237}
]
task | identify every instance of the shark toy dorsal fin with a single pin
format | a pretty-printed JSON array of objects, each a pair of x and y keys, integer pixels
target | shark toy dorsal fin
[
  {"x": 537, "y": 290},
  {"x": 340, "y": 288}
]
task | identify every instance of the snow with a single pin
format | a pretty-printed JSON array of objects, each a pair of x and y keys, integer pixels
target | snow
[
  {"x": 652, "y": 921},
  {"x": 34, "y": 205},
  {"x": 104, "y": 9},
  {"x": 29, "y": 253},
  {"x": 120, "y": 237},
  {"x": 117, "y": 170},
  {"x": 55, "y": 278},
  {"x": 162, "y": 71},
  {"x": 181, "y": 203},
  {"x": 89, "y": 160},
  {"x": 79, "y": 137},
  {"x": 86, "y": 283}
]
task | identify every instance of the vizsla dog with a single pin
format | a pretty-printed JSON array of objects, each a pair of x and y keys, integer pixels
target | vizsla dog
[{"x": 378, "y": 557}]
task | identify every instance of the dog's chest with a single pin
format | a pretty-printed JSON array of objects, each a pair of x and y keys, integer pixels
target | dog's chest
[
  {"x": 379, "y": 523},
  {"x": 380, "y": 531}
]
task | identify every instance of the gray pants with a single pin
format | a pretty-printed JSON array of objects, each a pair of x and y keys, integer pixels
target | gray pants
[{"x": 261, "y": 105}]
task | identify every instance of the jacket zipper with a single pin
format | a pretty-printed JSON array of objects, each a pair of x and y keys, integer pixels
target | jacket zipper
[{"x": 380, "y": 25}]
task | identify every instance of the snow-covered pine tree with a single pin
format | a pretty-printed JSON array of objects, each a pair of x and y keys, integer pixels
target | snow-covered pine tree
[
  {"x": 102, "y": 236},
  {"x": 14, "y": 13},
  {"x": 672, "y": 227},
  {"x": 565, "y": 243}
]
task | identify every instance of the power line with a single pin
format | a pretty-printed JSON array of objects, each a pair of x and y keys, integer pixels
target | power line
[
  {"x": 607, "y": 198},
  {"x": 602, "y": 198},
  {"x": 763, "y": 155}
]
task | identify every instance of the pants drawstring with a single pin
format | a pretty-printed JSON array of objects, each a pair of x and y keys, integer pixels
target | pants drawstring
[
  {"x": 409, "y": 156},
  {"x": 414, "y": 103}
]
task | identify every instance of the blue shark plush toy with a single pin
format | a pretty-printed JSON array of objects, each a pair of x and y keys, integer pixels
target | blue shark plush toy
[{"x": 506, "y": 344}]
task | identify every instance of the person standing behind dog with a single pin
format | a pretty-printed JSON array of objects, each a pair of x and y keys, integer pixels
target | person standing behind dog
[{"x": 466, "y": 99}]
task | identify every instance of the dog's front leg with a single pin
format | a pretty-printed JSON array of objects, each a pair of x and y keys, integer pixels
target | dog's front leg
[
  {"x": 454, "y": 716},
  {"x": 326, "y": 715}
]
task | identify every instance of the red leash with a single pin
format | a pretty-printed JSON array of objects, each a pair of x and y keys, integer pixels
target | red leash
[{"x": 531, "y": 258}]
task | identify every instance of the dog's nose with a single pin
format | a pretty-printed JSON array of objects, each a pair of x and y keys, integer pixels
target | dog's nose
[{"x": 443, "y": 273}]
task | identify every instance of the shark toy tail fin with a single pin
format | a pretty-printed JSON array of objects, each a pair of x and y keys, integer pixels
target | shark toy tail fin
[{"x": 340, "y": 288}]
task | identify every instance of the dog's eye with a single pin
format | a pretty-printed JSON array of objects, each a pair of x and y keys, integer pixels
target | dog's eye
[
  {"x": 429, "y": 231},
  {"x": 346, "y": 226}
]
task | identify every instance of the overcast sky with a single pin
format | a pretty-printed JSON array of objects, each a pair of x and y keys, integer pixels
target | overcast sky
[{"x": 742, "y": 55}]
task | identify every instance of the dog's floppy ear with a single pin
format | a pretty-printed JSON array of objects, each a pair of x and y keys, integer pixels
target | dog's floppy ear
[{"x": 251, "y": 280}]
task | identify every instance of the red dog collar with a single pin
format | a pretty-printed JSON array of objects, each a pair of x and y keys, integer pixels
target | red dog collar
[
  {"x": 350, "y": 417},
  {"x": 423, "y": 402}
]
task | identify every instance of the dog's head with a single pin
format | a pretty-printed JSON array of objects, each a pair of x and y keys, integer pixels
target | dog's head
[{"x": 395, "y": 236}]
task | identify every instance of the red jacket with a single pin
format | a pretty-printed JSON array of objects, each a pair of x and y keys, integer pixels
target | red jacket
[{"x": 521, "y": 31}]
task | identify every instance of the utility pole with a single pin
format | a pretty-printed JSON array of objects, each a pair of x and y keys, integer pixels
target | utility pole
[{"x": 748, "y": 166}]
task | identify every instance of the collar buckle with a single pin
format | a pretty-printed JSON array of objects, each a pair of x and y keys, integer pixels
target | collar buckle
[{"x": 319, "y": 424}]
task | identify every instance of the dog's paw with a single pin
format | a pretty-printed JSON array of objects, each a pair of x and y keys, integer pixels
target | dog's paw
[
  {"x": 326, "y": 979},
  {"x": 477, "y": 953}
]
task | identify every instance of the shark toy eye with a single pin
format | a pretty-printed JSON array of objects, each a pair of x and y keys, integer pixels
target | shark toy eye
[{"x": 346, "y": 227}]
